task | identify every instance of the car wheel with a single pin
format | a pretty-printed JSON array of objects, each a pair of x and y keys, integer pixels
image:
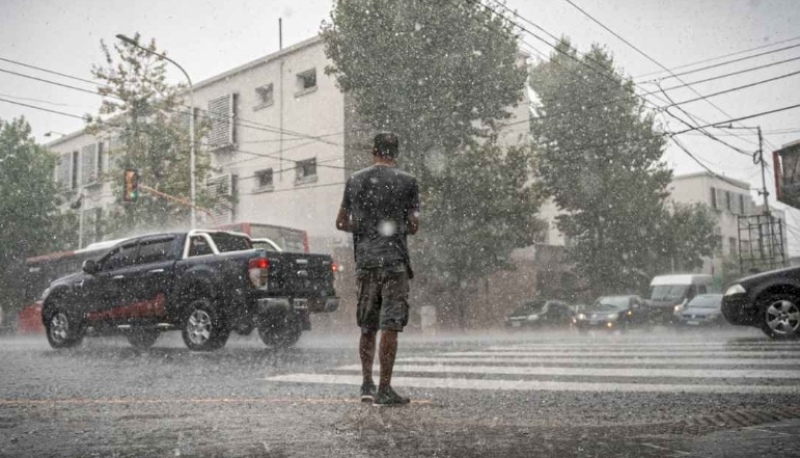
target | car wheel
[
  {"x": 203, "y": 329},
  {"x": 280, "y": 333},
  {"x": 780, "y": 316},
  {"x": 142, "y": 338},
  {"x": 63, "y": 330}
]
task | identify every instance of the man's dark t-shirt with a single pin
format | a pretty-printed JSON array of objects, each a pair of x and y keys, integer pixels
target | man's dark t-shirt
[{"x": 380, "y": 198}]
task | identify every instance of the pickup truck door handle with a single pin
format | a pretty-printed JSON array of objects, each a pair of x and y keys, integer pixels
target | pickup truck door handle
[
  {"x": 118, "y": 277},
  {"x": 155, "y": 271}
]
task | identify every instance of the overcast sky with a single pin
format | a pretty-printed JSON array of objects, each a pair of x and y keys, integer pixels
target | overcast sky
[{"x": 210, "y": 37}]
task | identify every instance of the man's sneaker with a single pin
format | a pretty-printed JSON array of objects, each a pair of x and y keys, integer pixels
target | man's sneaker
[
  {"x": 388, "y": 397},
  {"x": 368, "y": 392}
]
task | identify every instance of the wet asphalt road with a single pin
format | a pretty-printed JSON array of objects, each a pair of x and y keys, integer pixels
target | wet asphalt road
[{"x": 725, "y": 392}]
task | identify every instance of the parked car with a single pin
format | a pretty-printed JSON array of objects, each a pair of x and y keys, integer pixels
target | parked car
[
  {"x": 540, "y": 312},
  {"x": 768, "y": 300},
  {"x": 612, "y": 312},
  {"x": 204, "y": 283},
  {"x": 703, "y": 310},
  {"x": 670, "y": 293}
]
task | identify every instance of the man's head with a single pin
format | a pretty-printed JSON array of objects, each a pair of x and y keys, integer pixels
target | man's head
[{"x": 386, "y": 146}]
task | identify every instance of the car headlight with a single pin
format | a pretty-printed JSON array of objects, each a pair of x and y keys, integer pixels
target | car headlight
[
  {"x": 612, "y": 316},
  {"x": 734, "y": 290},
  {"x": 533, "y": 317},
  {"x": 581, "y": 316},
  {"x": 677, "y": 308}
]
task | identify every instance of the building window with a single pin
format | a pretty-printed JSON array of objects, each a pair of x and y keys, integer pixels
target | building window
[
  {"x": 307, "y": 170},
  {"x": 306, "y": 82},
  {"x": 728, "y": 199},
  {"x": 733, "y": 249},
  {"x": 266, "y": 96},
  {"x": 264, "y": 180},
  {"x": 714, "y": 198},
  {"x": 222, "y": 112},
  {"x": 742, "y": 208},
  {"x": 90, "y": 168},
  {"x": 68, "y": 171}
]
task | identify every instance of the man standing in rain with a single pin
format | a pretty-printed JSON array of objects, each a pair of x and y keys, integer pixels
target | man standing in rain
[{"x": 381, "y": 207}]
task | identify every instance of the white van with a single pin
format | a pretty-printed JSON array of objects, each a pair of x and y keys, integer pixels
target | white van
[{"x": 670, "y": 293}]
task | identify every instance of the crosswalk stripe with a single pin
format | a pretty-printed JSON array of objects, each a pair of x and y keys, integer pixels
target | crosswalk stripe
[
  {"x": 536, "y": 385},
  {"x": 592, "y": 371},
  {"x": 617, "y": 354},
  {"x": 626, "y": 345},
  {"x": 611, "y": 361}
]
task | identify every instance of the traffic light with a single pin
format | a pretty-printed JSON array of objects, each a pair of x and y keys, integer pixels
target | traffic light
[{"x": 130, "y": 187}]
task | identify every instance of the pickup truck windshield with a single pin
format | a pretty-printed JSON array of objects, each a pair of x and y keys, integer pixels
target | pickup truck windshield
[{"x": 229, "y": 242}]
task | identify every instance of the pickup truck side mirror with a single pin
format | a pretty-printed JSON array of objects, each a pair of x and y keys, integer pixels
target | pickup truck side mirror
[{"x": 91, "y": 267}]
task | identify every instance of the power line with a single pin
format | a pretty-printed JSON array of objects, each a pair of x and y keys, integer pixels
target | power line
[
  {"x": 736, "y": 53},
  {"x": 733, "y": 89},
  {"x": 631, "y": 45},
  {"x": 49, "y": 81},
  {"x": 608, "y": 75},
  {"x": 22, "y": 64},
  {"x": 727, "y": 75},
  {"x": 43, "y": 109},
  {"x": 241, "y": 122},
  {"x": 741, "y": 118},
  {"x": 722, "y": 64}
]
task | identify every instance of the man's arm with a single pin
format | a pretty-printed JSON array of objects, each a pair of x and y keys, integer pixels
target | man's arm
[
  {"x": 413, "y": 222},
  {"x": 343, "y": 220}
]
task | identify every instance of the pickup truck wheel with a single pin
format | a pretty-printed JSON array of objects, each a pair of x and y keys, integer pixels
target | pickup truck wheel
[
  {"x": 203, "y": 329},
  {"x": 63, "y": 331},
  {"x": 780, "y": 316},
  {"x": 142, "y": 338},
  {"x": 282, "y": 334}
]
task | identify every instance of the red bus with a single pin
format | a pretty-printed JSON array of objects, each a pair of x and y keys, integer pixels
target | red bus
[{"x": 39, "y": 271}]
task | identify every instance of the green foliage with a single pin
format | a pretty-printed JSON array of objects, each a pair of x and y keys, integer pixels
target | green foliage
[
  {"x": 443, "y": 77},
  {"x": 438, "y": 74},
  {"x": 690, "y": 236},
  {"x": 601, "y": 163},
  {"x": 148, "y": 125},
  {"x": 30, "y": 223}
]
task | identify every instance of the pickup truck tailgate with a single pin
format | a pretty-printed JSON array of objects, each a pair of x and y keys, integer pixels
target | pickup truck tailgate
[{"x": 300, "y": 274}]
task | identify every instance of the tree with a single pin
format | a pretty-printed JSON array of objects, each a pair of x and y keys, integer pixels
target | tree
[
  {"x": 443, "y": 76},
  {"x": 438, "y": 74},
  {"x": 30, "y": 221},
  {"x": 690, "y": 236},
  {"x": 148, "y": 125},
  {"x": 600, "y": 157},
  {"x": 485, "y": 206}
]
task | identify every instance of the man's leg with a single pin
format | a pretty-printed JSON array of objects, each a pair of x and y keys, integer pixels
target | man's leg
[
  {"x": 366, "y": 350},
  {"x": 388, "y": 351}
]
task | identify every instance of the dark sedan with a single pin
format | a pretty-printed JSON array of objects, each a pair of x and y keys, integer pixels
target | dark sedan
[
  {"x": 768, "y": 300},
  {"x": 540, "y": 313},
  {"x": 612, "y": 312},
  {"x": 703, "y": 310}
]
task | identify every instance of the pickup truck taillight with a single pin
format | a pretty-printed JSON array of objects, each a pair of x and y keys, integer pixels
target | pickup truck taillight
[{"x": 257, "y": 270}]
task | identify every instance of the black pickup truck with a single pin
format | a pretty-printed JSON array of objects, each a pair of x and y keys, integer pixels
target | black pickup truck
[{"x": 204, "y": 283}]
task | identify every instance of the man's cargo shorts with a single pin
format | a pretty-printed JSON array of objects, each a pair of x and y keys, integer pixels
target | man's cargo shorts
[{"x": 382, "y": 299}]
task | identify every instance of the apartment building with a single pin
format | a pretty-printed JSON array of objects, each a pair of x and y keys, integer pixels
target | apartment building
[
  {"x": 284, "y": 139},
  {"x": 730, "y": 198}
]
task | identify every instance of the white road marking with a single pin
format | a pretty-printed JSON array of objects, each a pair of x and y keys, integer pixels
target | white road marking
[
  {"x": 633, "y": 354},
  {"x": 592, "y": 371},
  {"x": 610, "y": 361},
  {"x": 534, "y": 385},
  {"x": 628, "y": 345}
]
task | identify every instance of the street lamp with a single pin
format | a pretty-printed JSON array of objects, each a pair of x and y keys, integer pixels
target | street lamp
[
  {"x": 191, "y": 123},
  {"x": 50, "y": 133}
]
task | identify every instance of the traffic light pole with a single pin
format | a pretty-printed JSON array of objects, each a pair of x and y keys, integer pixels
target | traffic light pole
[{"x": 179, "y": 200}]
